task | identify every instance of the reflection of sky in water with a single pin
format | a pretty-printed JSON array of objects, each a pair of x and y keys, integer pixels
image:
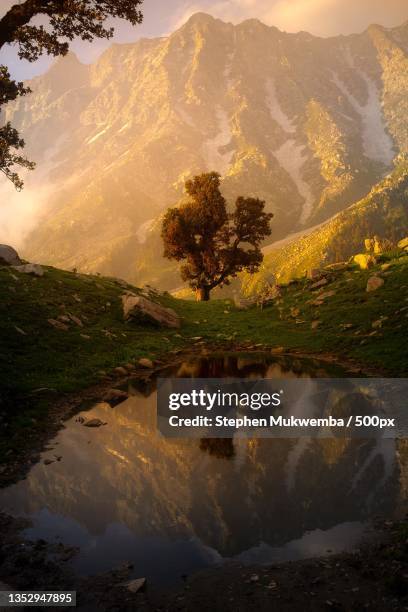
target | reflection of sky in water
[{"x": 122, "y": 492}]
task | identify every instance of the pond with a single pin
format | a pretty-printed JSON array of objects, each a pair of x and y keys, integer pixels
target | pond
[{"x": 122, "y": 492}]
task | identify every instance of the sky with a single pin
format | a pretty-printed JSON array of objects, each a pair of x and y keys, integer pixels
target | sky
[{"x": 161, "y": 17}]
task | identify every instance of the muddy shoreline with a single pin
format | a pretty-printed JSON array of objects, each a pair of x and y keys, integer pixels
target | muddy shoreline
[{"x": 375, "y": 577}]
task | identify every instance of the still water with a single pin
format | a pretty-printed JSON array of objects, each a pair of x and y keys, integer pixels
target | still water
[{"x": 121, "y": 492}]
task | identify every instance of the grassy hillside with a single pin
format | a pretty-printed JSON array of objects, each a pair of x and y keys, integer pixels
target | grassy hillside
[
  {"x": 350, "y": 324},
  {"x": 36, "y": 354}
]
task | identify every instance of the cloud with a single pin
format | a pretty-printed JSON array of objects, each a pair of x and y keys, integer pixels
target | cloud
[
  {"x": 320, "y": 17},
  {"x": 21, "y": 211}
]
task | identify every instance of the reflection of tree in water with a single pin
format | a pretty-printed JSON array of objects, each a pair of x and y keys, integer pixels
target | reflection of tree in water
[
  {"x": 246, "y": 365},
  {"x": 222, "y": 448}
]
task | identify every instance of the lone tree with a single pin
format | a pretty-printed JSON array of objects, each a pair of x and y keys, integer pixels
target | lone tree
[
  {"x": 214, "y": 244},
  {"x": 65, "y": 20}
]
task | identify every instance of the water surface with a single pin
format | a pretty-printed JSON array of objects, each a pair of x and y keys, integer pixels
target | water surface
[{"x": 122, "y": 492}]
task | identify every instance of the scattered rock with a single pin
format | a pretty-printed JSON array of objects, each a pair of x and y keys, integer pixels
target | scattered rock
[
  {"x": 137, "y": 307},
  {"x": 277, "y": 350},
  {"x": 146, "y": 363},
  {"x": 58, "y": 324},
  {"x": 320, "y": 283},
  {"x": 33, "y": 269},
  {"x": 336, "y": 266},
  {"x": 382, "y": 245},
  {"x": 378, "y": 245},
  {"x": 321, "y": 297},
  {"x": 115, "y": 396},
  {"x": 314, "y": 274},
  {"x": 374, "y": 283},
  {"x": 76, "y": 320},
  {"x": 272, "y": 585},
  {"x": 64, "y": 319},
  {"x": 365, "y": 261},
  {"x": 122, "y": 283},
  {"x": 121, "y": 371},
  {"x": 94, "y": 423},
  {"x": 378, "y": 324},
  {"x": 326, "y": 294},
  {"x": 136, "y": 585},
  {"x": 9, "y": 256}
]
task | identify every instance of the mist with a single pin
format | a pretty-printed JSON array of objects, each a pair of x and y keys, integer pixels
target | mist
[{"x": 20, "y": 211}]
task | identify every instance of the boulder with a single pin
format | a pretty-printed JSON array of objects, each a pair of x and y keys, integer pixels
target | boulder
[
  {"x": 146, "y": 363},
  {"x": 369, "y": 244},
  {"x": 94, "y": 423},
  {"x": 135, "y": 586},
  {"x": 76, "y": 320},
  {"x": 9, "y": 256},
  {"x": 121, "y": 371},
  {"x": 320, "y": 283},
  {"x": 138, "y": 307},
  {"x": 382, "y": 245},
  {"x": 58, "y": 324},
  {"x": 34, "y": 269},
  {"x": 374, "y": 283},
  {"x": 115, "y": 396},
  {"x": 403, "y": 244},
  {"x": 378, "y": 245},
  {"x": 365, "y": 261}
]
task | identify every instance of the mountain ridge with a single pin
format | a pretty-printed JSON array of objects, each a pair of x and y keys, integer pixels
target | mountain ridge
[{"x": 308, "y": 124}]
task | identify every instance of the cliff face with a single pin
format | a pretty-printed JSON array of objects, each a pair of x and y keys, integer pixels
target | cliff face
[{"x": 308, "y": 124}]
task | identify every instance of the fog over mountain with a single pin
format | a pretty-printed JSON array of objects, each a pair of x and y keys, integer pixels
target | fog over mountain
[{"x": 306, "y": 123}]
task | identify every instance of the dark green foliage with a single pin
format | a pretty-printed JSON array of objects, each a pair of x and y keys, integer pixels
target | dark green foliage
[
  {"x": 67, "y": 19},
  {"x": 214, "y": 244}
]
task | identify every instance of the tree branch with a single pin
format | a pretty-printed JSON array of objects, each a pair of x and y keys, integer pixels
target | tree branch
[{"x": 21, "y": 14}]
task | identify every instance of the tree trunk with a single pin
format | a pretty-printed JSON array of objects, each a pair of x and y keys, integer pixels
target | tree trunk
[{"x": 202, "y": 294}]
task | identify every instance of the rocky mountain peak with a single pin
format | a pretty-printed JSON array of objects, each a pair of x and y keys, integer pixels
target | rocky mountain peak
[{"x": 305, "y": 123}]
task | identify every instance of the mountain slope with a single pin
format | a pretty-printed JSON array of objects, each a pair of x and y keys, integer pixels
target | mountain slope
[
  {"x": 308, "y": 124},
  {"x": 383, "y": 212}
]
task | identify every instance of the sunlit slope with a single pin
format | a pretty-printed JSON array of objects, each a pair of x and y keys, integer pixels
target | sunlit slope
[
  {"x": 383, "y": 212},
  {"x": 308, "y": 124}
]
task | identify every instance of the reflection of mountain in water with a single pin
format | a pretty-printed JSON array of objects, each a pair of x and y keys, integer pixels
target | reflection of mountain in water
[{"x": 262, "y": 490}]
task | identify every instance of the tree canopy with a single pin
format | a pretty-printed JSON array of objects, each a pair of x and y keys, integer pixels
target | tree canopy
[
  {"x": 65, "y": 20},
  {"x": 214, "y": 244}
]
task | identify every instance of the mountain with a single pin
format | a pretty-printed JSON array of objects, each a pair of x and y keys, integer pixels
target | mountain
[
  {"x": 383, "y": 212},
  {"x": 306, "y": 123}
]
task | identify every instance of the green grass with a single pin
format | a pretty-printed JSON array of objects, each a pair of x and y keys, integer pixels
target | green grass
[{"x": 66, "y": 361}]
